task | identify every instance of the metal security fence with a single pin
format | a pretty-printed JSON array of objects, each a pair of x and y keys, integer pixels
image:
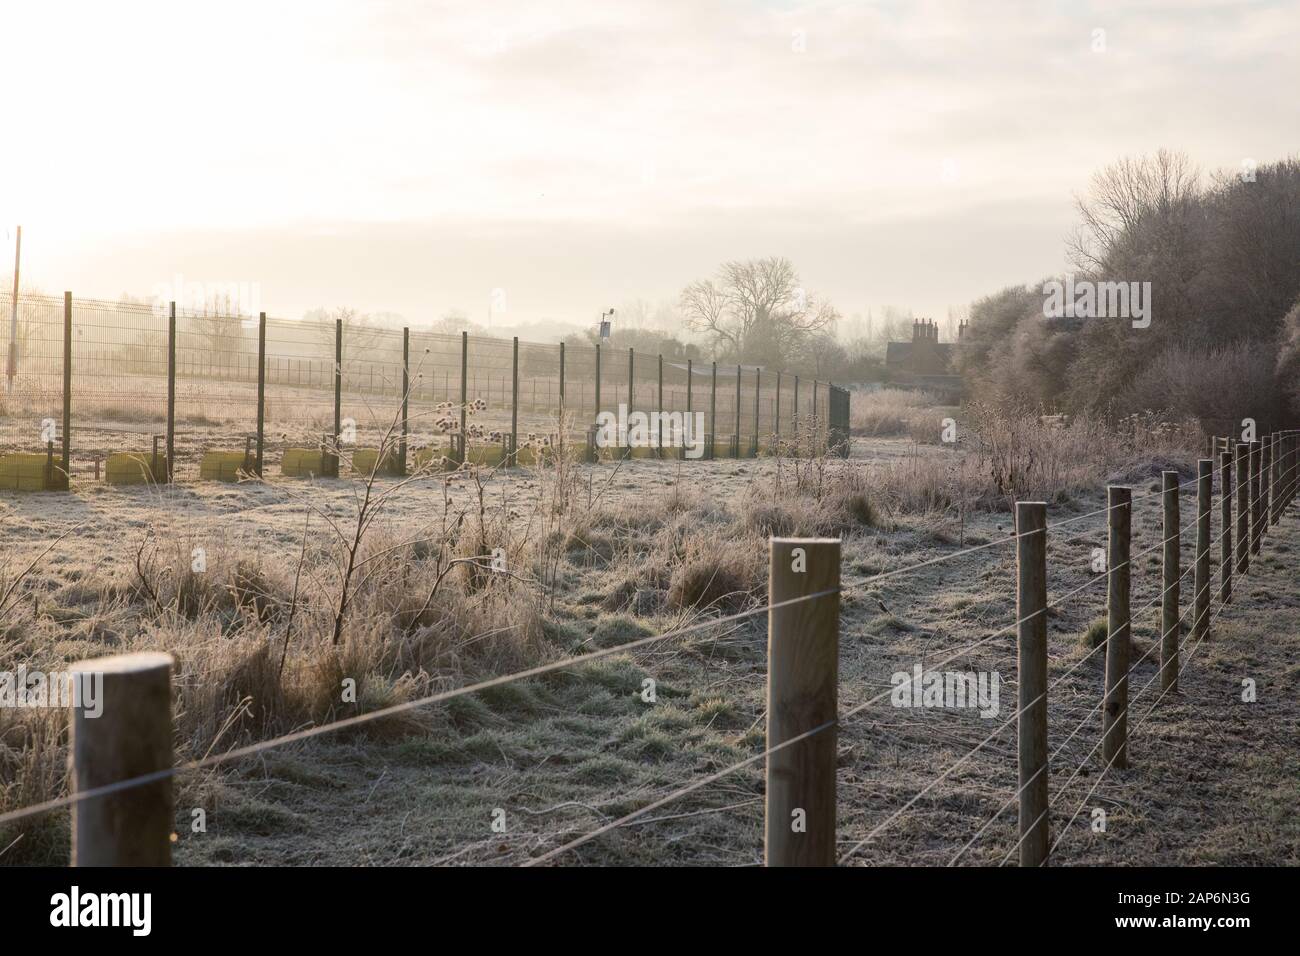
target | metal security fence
[{"x": 132, "y": 392}]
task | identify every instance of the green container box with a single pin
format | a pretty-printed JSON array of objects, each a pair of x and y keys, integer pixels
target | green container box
[{"x": 135, "y": 468}]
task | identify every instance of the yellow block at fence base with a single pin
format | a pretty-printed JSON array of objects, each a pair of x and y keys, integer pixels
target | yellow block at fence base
[
  {"x": 303, "y": 463},
  {"x": 422, "y": 457},
  {"x": 26, "y": 471},
  {"x": 135, "y": 468},
  {"x": 363, "y": 461},
  {"x": 224, "y": 465}
]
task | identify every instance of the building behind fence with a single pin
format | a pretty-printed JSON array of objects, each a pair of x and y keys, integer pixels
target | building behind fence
[{"x": 178, "y": 391}]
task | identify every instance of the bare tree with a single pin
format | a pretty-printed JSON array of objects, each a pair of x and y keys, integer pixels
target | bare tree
[{"x": 756, "y": 310}]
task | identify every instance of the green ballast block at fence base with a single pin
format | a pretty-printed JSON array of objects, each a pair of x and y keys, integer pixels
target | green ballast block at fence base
[
  {"x": 304, "y": 463},
  {"x": 29, "y": 471},
  {"x": 224, "y": 465},
  {"x": 363, "y": 462},
  {"x": 135, "y": 468}
]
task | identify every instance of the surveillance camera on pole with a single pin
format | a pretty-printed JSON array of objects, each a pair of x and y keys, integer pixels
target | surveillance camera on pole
[{"x": 606, "y": 319}]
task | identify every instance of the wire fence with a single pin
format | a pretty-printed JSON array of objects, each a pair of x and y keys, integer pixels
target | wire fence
[
  {"x": 1262, "y": 502},
  {"x": 184, "y": 391}
]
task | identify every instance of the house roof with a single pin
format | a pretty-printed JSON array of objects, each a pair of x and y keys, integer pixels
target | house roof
[{"x": 897, "y": 353}]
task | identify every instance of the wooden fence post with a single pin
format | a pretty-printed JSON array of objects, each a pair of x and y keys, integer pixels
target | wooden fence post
[
  {"x": 690, "y": 379},
  {"x": 758, "y": 388},
  {"x": 1114, "y": 740},
  {"x": 1031, "y": 673},
  {"x": 1170, "y": 579},
  {"x": 802, "y": 684},
  {"x": 171, "y": 390},
  {"x": 1276, "y": 458},
  {"x": 261, "y": 391},
  {"x": 1225, "y": 516},
  {"x": 1265, "y": 484},
  {"x": 1256, "y": 491},
  {"x": 1201, "y": 576},
  {"x": 1243, "y": 508},
  {"x": 593, "y": 454},
  {"x": 125, "y": 733}
]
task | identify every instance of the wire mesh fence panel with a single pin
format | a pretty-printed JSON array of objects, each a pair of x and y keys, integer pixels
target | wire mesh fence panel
[
  {"x": 216, "y": 392},
  {"x": 118, "y": 389},
  {"x": 435, "y": 392},
  {"x": 580, "y": 388},
  {"x": 370, "y": 398},
  {"x": 31, "y": 406},
  {"x": 299, "y": 402},
  {"x": 539, "y": 391}
]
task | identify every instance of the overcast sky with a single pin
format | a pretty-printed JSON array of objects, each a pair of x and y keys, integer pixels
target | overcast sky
[{"x": 412, "y": 157}]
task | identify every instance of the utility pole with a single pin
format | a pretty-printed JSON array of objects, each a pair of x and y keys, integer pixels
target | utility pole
[{"x": 12, "y": 366}]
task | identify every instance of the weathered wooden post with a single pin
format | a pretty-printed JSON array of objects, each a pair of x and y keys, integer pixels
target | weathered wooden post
[
  {"x": 1256, "y": 491},
  {"x": 1201, "y": 601},
  {"x": 261, "y": 391},
  {"x": 1225, "y": 516},
  {"x": 123, "y": 734},
  {"x": 690, "y": 379},
  {"x": 1265, "y": 483},
  {"x": 794, "y": 418},
  {"x": 593, "y": 453},
  {"x": 171, "y": 389},
  {"x": 631, "y": 396},
  {"x": 1243, "y": 508},
  {"x": 802, "y": 685},
  {"x": 1031, "y": 673},
  {"x": 1170, "y": 579},
  {"x": 758, "y": 387},
  {"x": 1114, "y": 740}
]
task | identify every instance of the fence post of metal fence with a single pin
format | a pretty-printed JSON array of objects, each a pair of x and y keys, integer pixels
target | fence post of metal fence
[
  {"x": 406, "y": 398},
  {"x": 65, "y": 480},
  {"x": 1170, "y": 578},
  {"x": 802, "y": 679},
  {"x": 593, "y": 454},
  {"x": 794, "y": 416},
  {"x": 1243, "y": 507},
  {"x": 1031, "y": 675},
  {"x": 513, "y": 458},
  {"x": 261, "y": 390},
  {"x": 171, "y": 390},
  {"x": 463, "y": 452},
  {"x": 129, "y": 736},
  {"x": 690, "y": 381},
  {"x": 1225, "y": 517},
  {"x": 758, "y": 387},
  {"x": 713, "y": 414},
  {"x": 776, "y": 416},
  {"x": 735, "y": 442},
  {"x": 631, "y": 390},
  {"x": 659, "y": 427},
  {"x": 338, "y": 397},
  {"x": 1201, "y": 602},
  {"x": 1114, "y": 740}
]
